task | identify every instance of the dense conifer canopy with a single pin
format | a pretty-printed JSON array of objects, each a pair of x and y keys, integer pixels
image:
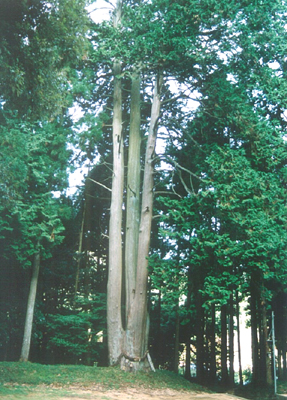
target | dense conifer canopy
[{"x": 218, "y": 230}]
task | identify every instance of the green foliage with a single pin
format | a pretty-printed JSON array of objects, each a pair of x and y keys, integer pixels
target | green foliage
[
  {"x": 77, "y": 332},
  {"x": 224, "y": 218},
  {"x": 29, "y": 206},
  {"x": 41, "y": 41}
]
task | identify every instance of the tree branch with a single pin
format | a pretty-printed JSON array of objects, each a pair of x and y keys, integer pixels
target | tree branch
[
  {"x": 180, "y": 167},
  {"x": 98, "y": 183}
]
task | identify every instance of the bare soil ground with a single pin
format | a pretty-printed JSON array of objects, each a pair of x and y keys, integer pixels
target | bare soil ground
[
  {"x": 43, "y": 393},
  {"x": 134, "y": 394}
]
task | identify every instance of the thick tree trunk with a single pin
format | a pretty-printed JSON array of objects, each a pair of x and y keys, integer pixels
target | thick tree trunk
[
  {"x": 133, "y": 193},
  {"x": 136, "y": 334},
  {"x": 114, "y": 289},
  {"x": 128, "y": 344},
  {"x": 30, "y": 307}
]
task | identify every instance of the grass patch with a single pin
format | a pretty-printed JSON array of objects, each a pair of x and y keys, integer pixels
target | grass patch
[{"x": 20, "y": 379}]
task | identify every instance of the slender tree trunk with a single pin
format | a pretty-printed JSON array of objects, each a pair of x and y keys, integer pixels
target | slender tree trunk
[
  {"x": 238, "y": 339},
  {"x": 224, "y": 370},
  {"x": 265, "y": 356},
  {"x": 80, "y": 250},
  {"x": 187, "y": 373},
  {"x": 114, "y": 289},
  {"x": 231, "y": 340},
  {"x": 87, "y": 264},
  {"x": 279, "y": 362},
  {"x": 284, "y": 362},
  {"x": 254, "y": 330},
  {"x": 31, "y": 307},
  {"x": 159, "y": 338},
  {"x": 213, "y": 346},
  {"x": 176, "y": 340},
  {"x": 199, "y": 339}
]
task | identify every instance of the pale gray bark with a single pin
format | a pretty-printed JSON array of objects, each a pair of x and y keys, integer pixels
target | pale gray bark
[
  {"x": 137, "y": 321},
  {"x": 30, "y": 308},
  {"x": 133, "y": 192},
  {"x": 114, "y": 289},
  {"x": 128, "y": 345}
]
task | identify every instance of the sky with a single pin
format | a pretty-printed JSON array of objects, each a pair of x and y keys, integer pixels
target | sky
[{"x": 99, "y": 11}]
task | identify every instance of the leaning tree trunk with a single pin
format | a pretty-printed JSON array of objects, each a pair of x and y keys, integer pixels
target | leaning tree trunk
[
  {"x": 31, "y": 307},
  {"x": 114, "y": 287}
]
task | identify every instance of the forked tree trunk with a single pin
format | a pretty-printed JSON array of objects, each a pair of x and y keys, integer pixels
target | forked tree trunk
[
  {"x": 137, "y": 328},
  {"x": 30, "y": 307},
  {"x": 128, "y": 343}
]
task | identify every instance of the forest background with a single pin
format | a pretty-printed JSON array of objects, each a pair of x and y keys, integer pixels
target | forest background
[{"x": 218, "y": 233}]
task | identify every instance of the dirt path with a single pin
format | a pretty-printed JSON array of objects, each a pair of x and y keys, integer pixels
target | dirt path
[
  {"x": 51, "y": 392},
  {"x": 133, "y": 394}
]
